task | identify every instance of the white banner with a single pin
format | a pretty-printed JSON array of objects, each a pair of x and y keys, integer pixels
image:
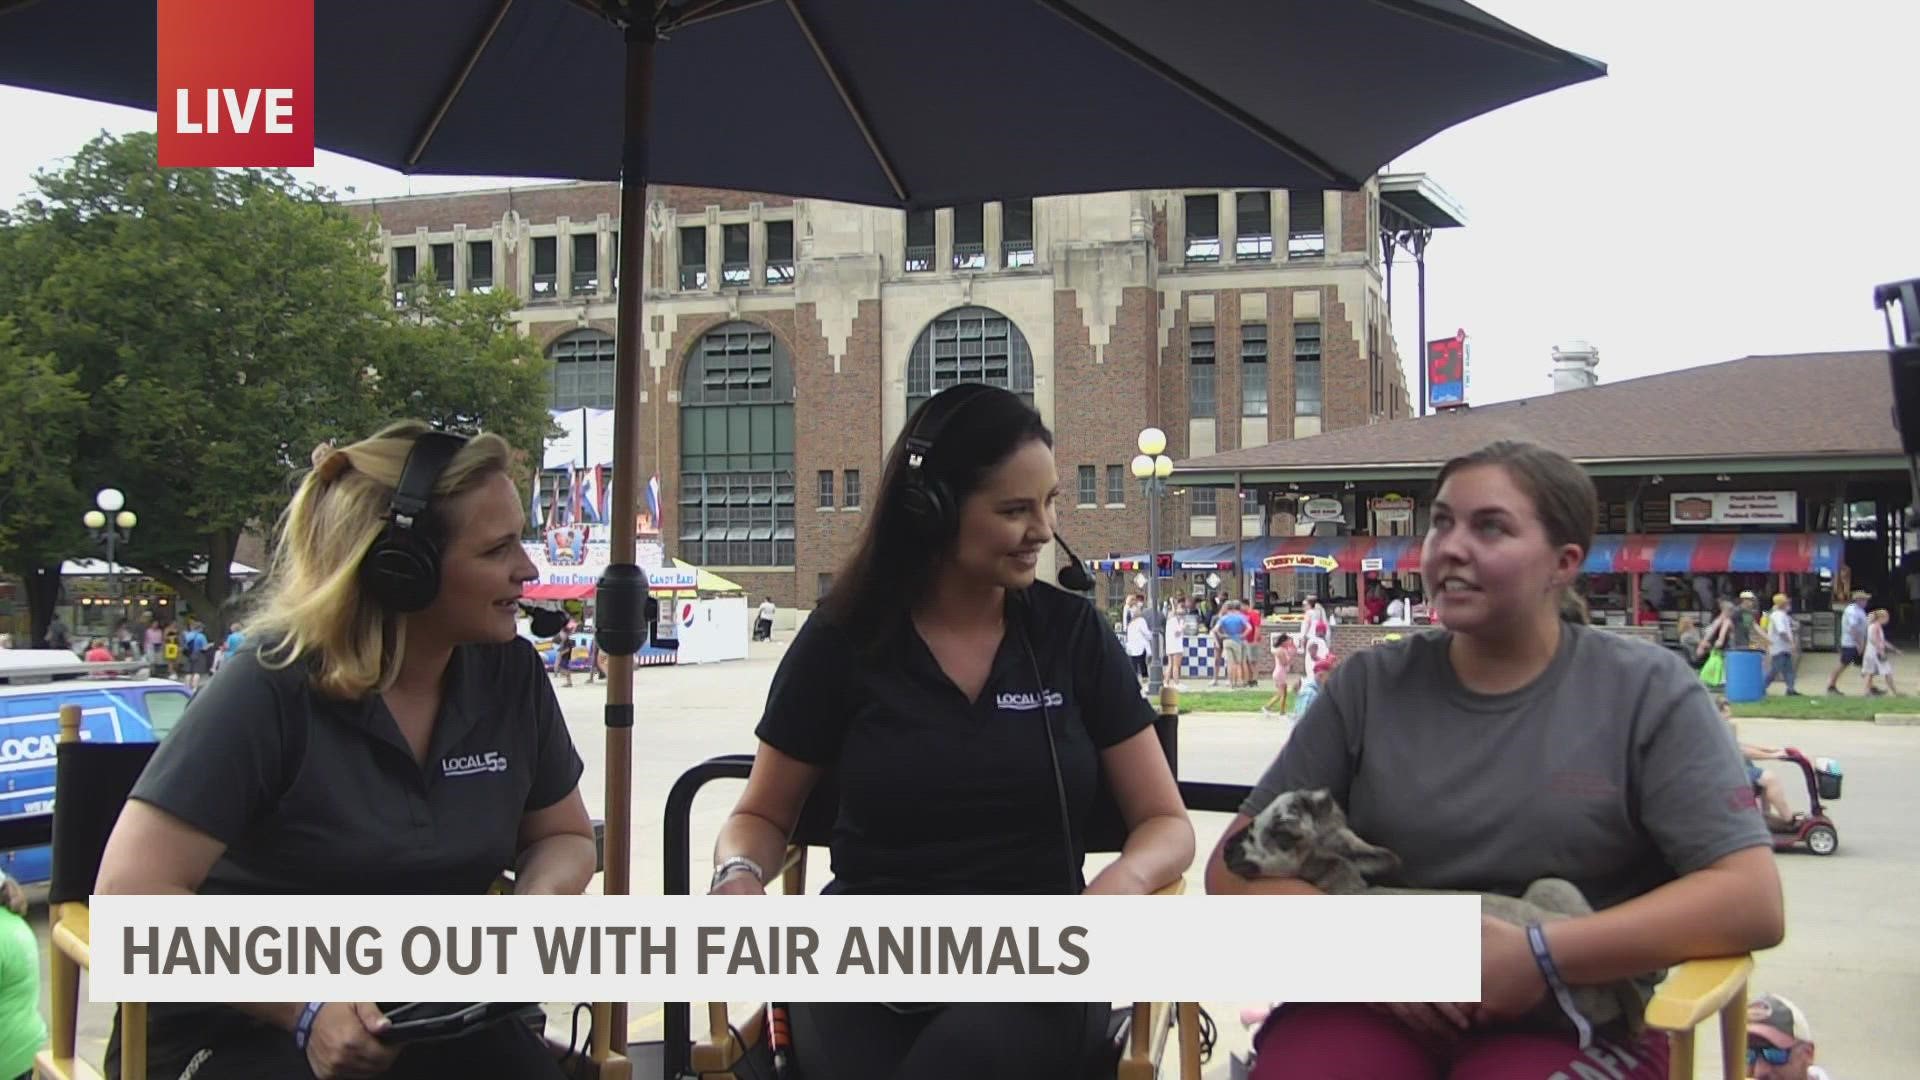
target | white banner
[
  {"x": 1734, "y": 508},
  {"x": 785, "y": 948}
]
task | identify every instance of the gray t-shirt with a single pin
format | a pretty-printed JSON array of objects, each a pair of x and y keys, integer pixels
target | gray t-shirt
[{"x": 1611, "y": 770}]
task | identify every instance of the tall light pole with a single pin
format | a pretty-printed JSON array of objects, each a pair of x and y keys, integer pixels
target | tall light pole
[
  {"x": 111, "y": 532},
  {"x": 1152, "y": 467}
]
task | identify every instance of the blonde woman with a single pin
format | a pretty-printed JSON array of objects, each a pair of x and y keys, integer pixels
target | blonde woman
[
  {"x": 1877, "y": 660},
  {"x": 384, "y": 729}
]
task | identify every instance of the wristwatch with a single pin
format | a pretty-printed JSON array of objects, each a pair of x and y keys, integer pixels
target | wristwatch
[{"x": 736, "y": 862}]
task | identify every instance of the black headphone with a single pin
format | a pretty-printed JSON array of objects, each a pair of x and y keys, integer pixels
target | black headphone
[
  {"x": 402, "y": 568},
  {"x": 928, "y": 500}
]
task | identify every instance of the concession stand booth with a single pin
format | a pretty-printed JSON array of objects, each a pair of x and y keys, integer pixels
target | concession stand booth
[{"x": 1711, "y": 481}]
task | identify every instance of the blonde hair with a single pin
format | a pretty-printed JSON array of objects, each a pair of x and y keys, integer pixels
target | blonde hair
[{"x": 312, "y": 606}]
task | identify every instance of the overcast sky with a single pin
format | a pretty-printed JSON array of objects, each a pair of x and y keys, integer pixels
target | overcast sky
[{"x": 1732, "y": 187}]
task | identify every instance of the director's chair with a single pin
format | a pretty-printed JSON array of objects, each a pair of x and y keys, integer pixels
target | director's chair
[{"x": 1151, "y": 1026}]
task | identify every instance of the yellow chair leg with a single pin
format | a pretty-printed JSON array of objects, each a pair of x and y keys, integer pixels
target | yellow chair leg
[
  {"x": 1680, "y": 1054},
  {"x": 1189, "y": 1021},
  {"x": 1733, "y": 1034},
  {"x": 133, "y": 1038},
  {"x": 63, "y": 977}
]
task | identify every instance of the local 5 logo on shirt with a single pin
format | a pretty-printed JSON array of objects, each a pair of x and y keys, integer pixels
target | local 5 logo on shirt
[{"x": 235, "y": 83}]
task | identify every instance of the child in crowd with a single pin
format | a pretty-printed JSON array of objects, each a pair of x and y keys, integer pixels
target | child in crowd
[{"x": 1283, "y": 653}]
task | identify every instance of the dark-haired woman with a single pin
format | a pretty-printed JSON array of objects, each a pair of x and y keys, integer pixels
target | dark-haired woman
[
  {"x": 1514, "y": 745},
  {"x": 923, "y": 681}
]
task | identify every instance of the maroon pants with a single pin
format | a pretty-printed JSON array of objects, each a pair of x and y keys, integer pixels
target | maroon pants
[{"x": 1354, "y": 1042}]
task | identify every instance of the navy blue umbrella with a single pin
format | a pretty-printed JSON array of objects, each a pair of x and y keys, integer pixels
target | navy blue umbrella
[{"x": 906, "y": 103}]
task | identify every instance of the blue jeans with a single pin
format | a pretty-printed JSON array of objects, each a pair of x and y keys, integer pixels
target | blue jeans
[{"x": 1780, "y": 666}]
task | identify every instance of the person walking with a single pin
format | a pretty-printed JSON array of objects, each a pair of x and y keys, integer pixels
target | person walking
[
  {"x": 1783, "y": 645},
  {"x": 1877, "y": 660},
  {"x": 1853, "y": 639}
]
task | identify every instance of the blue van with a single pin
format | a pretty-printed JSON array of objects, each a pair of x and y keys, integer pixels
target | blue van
[{"x": 117, "y": 704}]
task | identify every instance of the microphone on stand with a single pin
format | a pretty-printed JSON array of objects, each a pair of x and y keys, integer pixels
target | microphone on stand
[{"x": 1072, "y": 576}]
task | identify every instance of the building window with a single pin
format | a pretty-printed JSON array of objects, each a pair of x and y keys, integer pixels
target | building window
[
  {"x": 919, "y": 241},
  {"x": 1253, "y": 369},
  {"x": 1307, "y": 387},
  {"x": 970, "y": 237},
  {"x": 586, "y": 263},
  {"x": 693, "y": 257},
  {"x": 1200, "y": 399},
  {"x": 442, "y": 255},
  {"x": 972, "y": 344},
  {"x": 582, "y": 370},
  {"x": 1089, "y": 492},
  {"x": 779, "y": 252},
  {"x": 736, "y": 268},
  {"x": 1116, "y": 485},
  {"x": 826, "y": 489},
  {"x": 1204, "y": 503},
  {"x": 1253, "y": 232},
  {"x": 406, "y": 266},
  {"x": 822, "y": 585},
  {"x": 480, "y": 266},
  {"x": 851, "y": 490},
  {"x": 736, "y": 450},
  {"x": 1203, "y": 228},
  {"x": 1306, "y": 225},
  {"x": 546, "y": 267},
  {"x": 1016, "y": 231}
]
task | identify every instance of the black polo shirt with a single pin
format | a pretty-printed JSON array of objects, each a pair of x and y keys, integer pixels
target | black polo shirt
[
  {"x": 311, "y": 794},
  {"x": 941, "y": 795}
]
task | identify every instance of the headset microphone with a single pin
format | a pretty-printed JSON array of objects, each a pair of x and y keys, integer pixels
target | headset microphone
[
  {"x": 1074, "y": 575},
  {"x": 546, "y": 621}
]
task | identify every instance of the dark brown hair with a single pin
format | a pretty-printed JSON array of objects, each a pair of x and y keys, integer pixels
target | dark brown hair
[{"x": 1561, "y": 492}]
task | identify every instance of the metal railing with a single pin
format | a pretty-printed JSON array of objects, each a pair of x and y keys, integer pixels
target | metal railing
[
  {"x": 1019, "y": 252},
  {"x": 919, "y": 258},
  {"x": 693, "y": 277},
  {"x": 969, "y": 256}
]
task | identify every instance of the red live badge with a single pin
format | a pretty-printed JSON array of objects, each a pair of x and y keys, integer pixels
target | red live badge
[{"x": 236, "y": 83}]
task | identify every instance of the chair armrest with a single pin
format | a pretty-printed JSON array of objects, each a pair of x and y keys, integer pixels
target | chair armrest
[
  {"x": 72, "y": 932},
  {"x": 1696, "y": 990}
]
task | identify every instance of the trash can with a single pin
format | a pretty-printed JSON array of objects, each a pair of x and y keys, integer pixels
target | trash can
[{"x": 1746, "y": 674}]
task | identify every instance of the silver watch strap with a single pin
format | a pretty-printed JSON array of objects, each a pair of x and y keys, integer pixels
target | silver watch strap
[{"x": 737, "y": 862}]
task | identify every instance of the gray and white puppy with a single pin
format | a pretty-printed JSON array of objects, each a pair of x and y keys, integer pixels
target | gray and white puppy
[{"x": 1305, "y": 835}]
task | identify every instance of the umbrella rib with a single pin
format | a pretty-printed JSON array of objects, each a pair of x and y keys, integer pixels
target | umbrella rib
[
  {"x": 1258, "y": 127},
  {"x": 459, "y": 83},
  {"x": 846, "y": 99},
  {"x": 710, "y": 9}
]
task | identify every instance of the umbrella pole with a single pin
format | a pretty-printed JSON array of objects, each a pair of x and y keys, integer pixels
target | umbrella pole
[{"x": 610, "y": 1019}]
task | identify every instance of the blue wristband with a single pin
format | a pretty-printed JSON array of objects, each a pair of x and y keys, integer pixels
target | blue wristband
[
  {"x": 1537, "y": 940},
  {"x": 303, "y": 1027}
]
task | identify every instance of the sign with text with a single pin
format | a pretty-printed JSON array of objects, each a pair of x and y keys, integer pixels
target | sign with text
[
  {"x": 1447, "y": 371},
  {"x": 1734, "y": 508},
  {"x": 235, "y": 83},
  {"x": 785, "y": 948},
  {"x": 1322, "y": 509},
  {"x": 1391, "y": 509},
  {"x": 1299, "y": 562}
]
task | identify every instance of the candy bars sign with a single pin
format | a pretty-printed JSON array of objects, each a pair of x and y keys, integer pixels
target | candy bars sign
[{"x": 235, "y": 83}]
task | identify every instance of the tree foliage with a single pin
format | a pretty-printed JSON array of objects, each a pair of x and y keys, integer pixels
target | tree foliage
[{"x": 212, "y": 327}]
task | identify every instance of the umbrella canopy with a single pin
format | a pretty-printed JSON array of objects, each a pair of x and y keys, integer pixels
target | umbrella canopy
[{"x": 872, "y": 101}]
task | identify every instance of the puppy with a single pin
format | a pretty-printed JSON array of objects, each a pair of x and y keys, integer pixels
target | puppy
[{"x": 1304, "y": 835}]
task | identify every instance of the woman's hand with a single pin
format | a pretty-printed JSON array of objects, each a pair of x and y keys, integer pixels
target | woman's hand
[
  {"x": 1510, "y": 980},
  {"x": 345, "y": 1041}
]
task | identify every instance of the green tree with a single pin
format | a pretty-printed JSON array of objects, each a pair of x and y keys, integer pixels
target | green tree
[
  {"x": 36, "y": 475},
  {"x": 219, "y": 324}
]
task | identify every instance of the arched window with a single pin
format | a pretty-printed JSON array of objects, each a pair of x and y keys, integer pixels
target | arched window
[
  {"x": 582, "y": 370},
  {"x": 736, "y": 449},
  {"x": 970, "y": 344}
]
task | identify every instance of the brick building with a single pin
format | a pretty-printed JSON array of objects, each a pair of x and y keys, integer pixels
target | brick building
[{"x": 787, "y": 340}]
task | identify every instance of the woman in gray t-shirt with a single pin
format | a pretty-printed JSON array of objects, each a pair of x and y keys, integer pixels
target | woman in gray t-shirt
[{"x": 1513, "y": 746}]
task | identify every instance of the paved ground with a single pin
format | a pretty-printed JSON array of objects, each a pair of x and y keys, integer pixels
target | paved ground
[{"x": 1852, "y": 958}]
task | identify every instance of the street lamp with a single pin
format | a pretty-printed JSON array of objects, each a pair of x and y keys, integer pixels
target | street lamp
[
  {"x": 112, "y": 524},
  {"x": 1151, "y": 468}
]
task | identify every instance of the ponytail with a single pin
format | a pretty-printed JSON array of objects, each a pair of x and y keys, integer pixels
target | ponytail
[{"x": 1573, "y": 608}]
